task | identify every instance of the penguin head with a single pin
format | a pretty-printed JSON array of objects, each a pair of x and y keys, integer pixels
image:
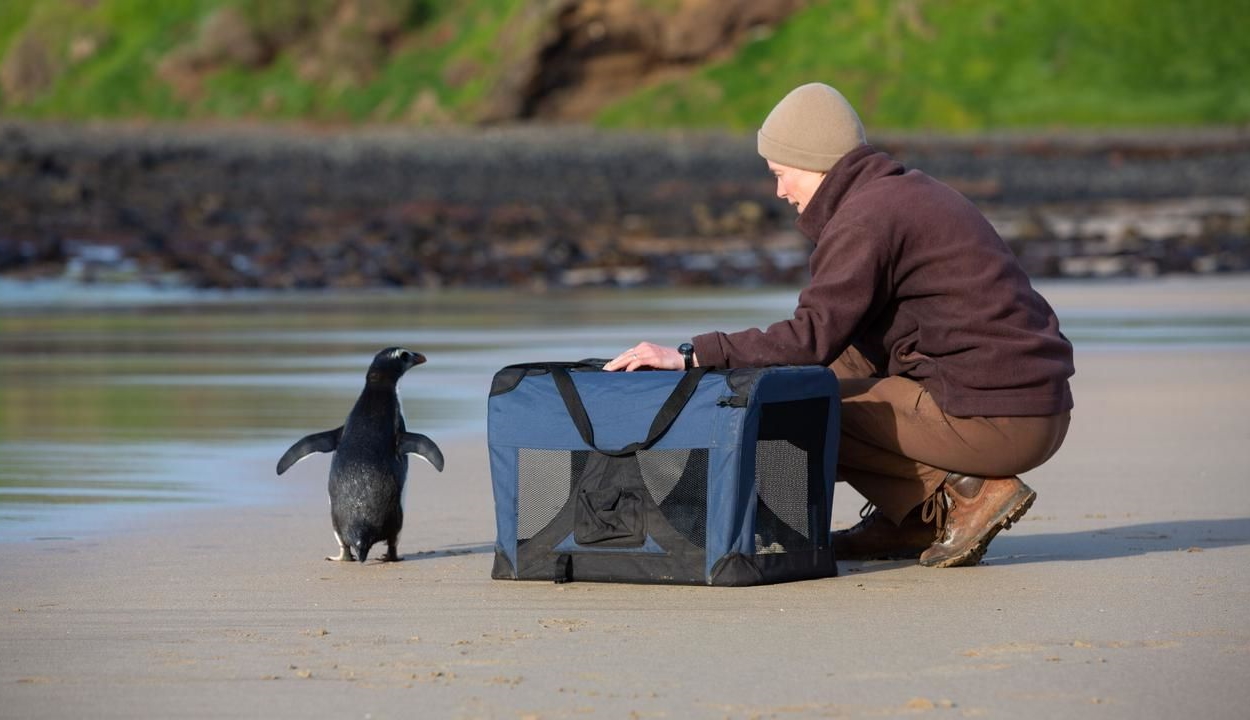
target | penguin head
[{"x": 392, "y": 363}]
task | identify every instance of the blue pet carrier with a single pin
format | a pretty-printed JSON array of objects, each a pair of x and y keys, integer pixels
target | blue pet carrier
[{"x": 721, "y": 477}]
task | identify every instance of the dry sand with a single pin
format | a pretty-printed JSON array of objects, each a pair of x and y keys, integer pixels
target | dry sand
[{"x": 1125, "y": 593}]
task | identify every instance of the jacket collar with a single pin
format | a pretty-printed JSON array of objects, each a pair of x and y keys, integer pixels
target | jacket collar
[{"x": 856, "y": 168}]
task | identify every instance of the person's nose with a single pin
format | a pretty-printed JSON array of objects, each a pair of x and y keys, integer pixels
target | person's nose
[{"x": 781, "y": 190}]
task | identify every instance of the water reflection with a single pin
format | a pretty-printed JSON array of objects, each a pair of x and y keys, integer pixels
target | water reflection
[
  {"x": 121, "y": 401},
  {"x": 110, "y": 403}
]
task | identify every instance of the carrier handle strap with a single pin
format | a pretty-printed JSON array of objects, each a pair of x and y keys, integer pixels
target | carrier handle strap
[
  {"x": 549, "y": 365},
  {"x": 669, "y": 411}
]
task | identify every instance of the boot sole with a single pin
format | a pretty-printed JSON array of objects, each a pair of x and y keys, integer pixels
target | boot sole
[{"x": 976, "y": 550}]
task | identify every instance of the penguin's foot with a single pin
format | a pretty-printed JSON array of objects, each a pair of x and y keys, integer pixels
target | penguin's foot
[
  {"x": 391, "y": 555},
  {"x": 345, "y": 555}
]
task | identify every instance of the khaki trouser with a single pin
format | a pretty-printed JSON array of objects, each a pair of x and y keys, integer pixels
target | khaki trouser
[{"x": 897, "y": 445}]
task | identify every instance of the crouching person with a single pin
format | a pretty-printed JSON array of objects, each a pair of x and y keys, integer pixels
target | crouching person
[{"x": 953, "y": 370}]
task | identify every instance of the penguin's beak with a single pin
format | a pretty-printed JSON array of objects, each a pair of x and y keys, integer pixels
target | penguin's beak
[{"x": 417, "y": 359}]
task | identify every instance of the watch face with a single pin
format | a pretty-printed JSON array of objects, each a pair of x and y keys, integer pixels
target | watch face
[{"x": 687, "y": 353}]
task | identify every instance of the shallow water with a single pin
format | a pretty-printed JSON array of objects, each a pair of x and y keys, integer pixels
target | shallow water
[
  {"x": 121, "y": 401},
  {"x": 116, "y": 402}
]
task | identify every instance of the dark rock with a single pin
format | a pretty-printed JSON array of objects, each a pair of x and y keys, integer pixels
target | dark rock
[{"x": 284, "y": 208}]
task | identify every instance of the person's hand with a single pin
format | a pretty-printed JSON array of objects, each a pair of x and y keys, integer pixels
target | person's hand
[{"x": 647, "y": 355}]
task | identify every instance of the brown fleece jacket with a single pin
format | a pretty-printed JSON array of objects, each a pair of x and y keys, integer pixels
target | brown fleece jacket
[{"x": 912, "y": 274}]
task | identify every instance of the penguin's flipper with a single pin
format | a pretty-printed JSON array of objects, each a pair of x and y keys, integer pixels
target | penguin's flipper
[
  {"x": 421, "y": 445},
  {"x": 317, "y": 442}
]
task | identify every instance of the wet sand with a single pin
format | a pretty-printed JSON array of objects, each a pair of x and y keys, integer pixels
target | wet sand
[{"x": 1123, "y": 594}]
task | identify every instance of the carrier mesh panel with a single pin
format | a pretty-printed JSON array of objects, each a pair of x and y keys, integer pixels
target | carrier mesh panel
[
  {"x": 781, "y": 469},
  {"x": 662, "y": 470},
  {"x": 544, "y": 479},
  {"x": 788, "y": 471},
  {"x": 677, "y": 480}
]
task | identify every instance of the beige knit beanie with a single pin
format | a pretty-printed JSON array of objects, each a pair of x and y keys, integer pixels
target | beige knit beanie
[{"x": 810, "y": 129}]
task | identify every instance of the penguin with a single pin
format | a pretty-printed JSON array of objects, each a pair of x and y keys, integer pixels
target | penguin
[{"x": 370, "y": 461}]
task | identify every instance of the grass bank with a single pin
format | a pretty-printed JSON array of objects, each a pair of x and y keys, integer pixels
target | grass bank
[
  {"x": 967, "y": 65},
  {"x": 964, "y": 65}
]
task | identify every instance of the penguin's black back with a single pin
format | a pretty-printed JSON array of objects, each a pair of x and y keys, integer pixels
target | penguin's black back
[{"x": 367, "y": 473}]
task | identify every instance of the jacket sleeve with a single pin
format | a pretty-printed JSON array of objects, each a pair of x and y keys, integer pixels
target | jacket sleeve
[{"x": 849, "y": 274}]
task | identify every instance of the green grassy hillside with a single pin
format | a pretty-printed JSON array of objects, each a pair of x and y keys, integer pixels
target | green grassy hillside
[
  {"x": 422, "y": 61},
  {"x": 906, "y": 64},
  {"x": 970, "y": 65}
]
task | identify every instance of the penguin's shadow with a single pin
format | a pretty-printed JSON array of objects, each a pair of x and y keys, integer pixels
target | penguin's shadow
[
  {"x": 448, "y": 551},
  {"x": 1099, "y": 543}
]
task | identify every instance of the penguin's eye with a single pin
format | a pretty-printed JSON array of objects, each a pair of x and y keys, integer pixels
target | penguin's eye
[{"x": 406, "y": 357}]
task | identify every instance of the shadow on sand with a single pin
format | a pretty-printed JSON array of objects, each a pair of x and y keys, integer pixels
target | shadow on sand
[
  {"x": 449, "y": 551},
  {"x": 1093, "y": 544},
  {"x": 1098, "y": 543},
  {"x": 1120, "y": 541}
]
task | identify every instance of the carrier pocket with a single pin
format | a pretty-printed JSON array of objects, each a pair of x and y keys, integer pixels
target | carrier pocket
[{"x": 610, "y": 510}]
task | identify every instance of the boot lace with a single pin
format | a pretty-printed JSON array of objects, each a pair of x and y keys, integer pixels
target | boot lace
[{"x": 936, "y": 509}]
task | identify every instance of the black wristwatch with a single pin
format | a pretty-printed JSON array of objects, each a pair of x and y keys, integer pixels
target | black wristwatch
[{"x": 687, "y": 354}]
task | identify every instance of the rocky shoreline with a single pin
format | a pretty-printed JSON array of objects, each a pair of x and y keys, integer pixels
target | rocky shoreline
[{"x": 282, "y": 207}]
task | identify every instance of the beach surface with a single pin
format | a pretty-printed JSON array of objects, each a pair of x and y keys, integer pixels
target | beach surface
[{"x": 1124, "y": 593}]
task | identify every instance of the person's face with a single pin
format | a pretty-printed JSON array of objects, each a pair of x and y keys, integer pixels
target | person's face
[{"x": 795, "y": 186}]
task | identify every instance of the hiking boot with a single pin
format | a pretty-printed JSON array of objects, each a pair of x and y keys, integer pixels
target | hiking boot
[
  {"x": 877, "y": 538},
  {"x": 976, "y": 509}
]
